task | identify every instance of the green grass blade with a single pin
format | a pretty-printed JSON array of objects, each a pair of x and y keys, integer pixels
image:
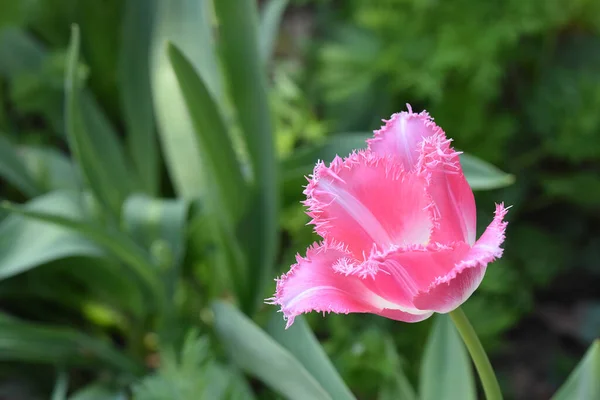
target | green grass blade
[
  {"x": 14, "y": 171},
  {"x": 446, "y": 370},
  {"x": 92, "y": 141},
  {"x": 219, "y": 159},
  {"x": 61, "y": 386},
  {"x": 36, "y": 343},
  {"x": 252, "y": 350},
  {"x": 136, "y": 94},
  {"x": 248, "y": 91},
  {"x": 302, "y": 343},
  {"x": 269, "y": 27},
  {"x": 187, "y": 24}
]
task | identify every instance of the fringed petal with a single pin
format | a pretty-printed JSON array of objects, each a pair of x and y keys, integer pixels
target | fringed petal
[
  {"x": 455, "y": 213},
  {"x": 368, "y": 200},
  {"x": 401, "y": 136},
  {"x": 313, "y": 285},
  {"x": 450, "y": 290}
]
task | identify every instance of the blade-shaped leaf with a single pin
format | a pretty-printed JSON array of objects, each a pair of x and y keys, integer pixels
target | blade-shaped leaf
[
  {"x": 98, "y": 391},
  {"x": 29, "y": 342},
  {"x": 136, "y": 94},
  {"x": 27, "y": 243},
  {"x": 92, "y": 141},
  {"x": 399, "y": 387},
  {"x": 61, "y": 386},
  {"x": 584, "y": 381},
  {"x": 259, "y": 355},
  {"x": 13, "y": 170},
  {"x": 248, "y": 91},
  {"x": 18, "y": 52},
  {"x": 114, "y": 242},
  {"x": 186, "y": 23},
  {"x": 446, "y": 371},
  {"x": 302, "y": 343},
  {"x": 221, "y": 166},
  {"x": 482, "y": 175},
  {"x": 269, "y": 27},
  {"x": 50, "y": 169}
]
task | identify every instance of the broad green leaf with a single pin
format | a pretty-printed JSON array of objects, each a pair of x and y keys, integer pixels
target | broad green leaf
[
  {"x": 269, "y": 27},
  {"x": 13, "y": 170},
  {"x": 27, "y": 243},
  {"x": 248, "y": 91},
  {"x": 36, "y": 343},
  {"x": 302, "y": 343},
  {"x": 226, "y": 383},
  {"x": 136, "y": 94},
  {"x": 61, "y": 386},
  {"x": 482, "y": 175},
  {"x": 92, "y": 140},
  {"x": 251, "y": 349},
  {"x": 186, "y": 23},
  {"x": 446, "y": 371},
  {"x": 49, "y": 168},
  {"x": 98, "y": 391},
  {"x": 221, "y": 167},
  {"x": 114, "y": 242},
  {"x": 584, "y": 381}
]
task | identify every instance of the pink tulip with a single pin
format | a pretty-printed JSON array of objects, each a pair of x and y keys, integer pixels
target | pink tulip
[{"x": 398, "y": 222}]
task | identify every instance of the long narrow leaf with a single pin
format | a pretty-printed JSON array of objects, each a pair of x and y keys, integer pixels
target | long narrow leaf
[
  {"x": 269, "y": 27},
  {"x": 446, "y": 371},
  {"x": 92, "y": 141},
  {"x": 584, "y": 381},
  {"x": 49, "y": 168},
  {"x": 257, "y": 354},
  {"x": 14, "y": 171},
  {"x": 186, "y": 23},
  {"x": 136, "y": 94},
  {"x": 302, "y": 343},
  {"x": 482, "y": 175},
  {"x": 28, "y": 342},
  {"x": 219, "y": 160},
  {"x": 248, "y": 90},
  {"x": 115, "y": 243}
]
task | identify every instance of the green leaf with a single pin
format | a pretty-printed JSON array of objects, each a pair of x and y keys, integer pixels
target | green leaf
[
  {"x": 49, "y": 168},
  {"x": 221, "y": 166},
  {"x": 98, "y": 392},
  {"x": 27, "y": 243},
  {"x": 269, "y": 27},
  {"x": 248, "y": 91},
  {"x": 92, "y": 140},
  {"x": 61, "y": 386},
  {"x": 136, "y": 94},
  {"x": 399, "y": 387},
  {"x": 259, "y": 355},
  {"x": 302, "y": 343},
  {"x": 18, "y": 52},
  {"x": 482, "y": 175},
  {"x": 446, "y": 371},
  {"x": 13, "y": 170},
  {"x": 186, "y": 23},
  {"x": 36, "y": 343},
  {"x": 114, "y": 242},
  {"x": 584, "y": 381}
]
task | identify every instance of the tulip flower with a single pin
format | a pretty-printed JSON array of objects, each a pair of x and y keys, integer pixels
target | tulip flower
[{"x": 398, "y": 223}]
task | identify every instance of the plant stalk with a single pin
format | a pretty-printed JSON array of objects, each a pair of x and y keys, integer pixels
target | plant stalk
[{"x": 478, "y": 355}]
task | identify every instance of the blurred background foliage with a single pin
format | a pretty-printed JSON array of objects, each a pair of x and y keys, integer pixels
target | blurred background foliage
[{"x": 97, "y": 141}]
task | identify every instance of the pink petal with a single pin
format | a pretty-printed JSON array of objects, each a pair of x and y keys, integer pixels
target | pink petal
[
  {"x": 402, "y": 134},
  {"x": 366, "y": 201},
  {"x": 449, "y": 291},
  {"x": 313, "y": 285},
  {"x": 450, "y": 191}
]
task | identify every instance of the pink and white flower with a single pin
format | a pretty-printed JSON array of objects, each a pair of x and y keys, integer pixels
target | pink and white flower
[{"x": 398, "y": 226}]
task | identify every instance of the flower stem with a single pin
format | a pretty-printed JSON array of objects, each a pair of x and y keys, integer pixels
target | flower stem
[{"x": 478, "y": 355}]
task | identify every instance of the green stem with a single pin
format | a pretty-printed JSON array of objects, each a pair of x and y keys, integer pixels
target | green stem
[{"x": 480, "y": 358}]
